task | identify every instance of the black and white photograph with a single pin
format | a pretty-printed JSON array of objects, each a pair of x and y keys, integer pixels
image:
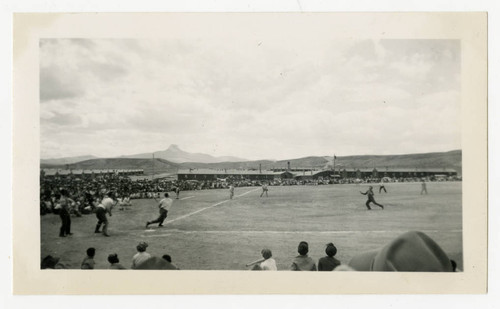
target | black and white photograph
[
  {"x": 195, "y": 132},
  {"x": 243, "y": 149}
]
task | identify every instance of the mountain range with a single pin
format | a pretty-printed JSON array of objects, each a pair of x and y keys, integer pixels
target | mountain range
[
  {"x": 174, "y": 154},
  {"x": 66, "y": 160},
  {"x": 173, "y": 158}
]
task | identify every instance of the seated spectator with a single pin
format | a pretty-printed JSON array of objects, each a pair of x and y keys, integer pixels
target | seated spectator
[
  {"x": 88, "y": 261},
  {"x": 454, "y": 266},
  {"x": 412, "y": 251},
  {"x": 328, "y": 263},
  {"x": 126, "y": 201},
  {"x": 156, "y": 263},
  {"x": 141, "y": 255},
  {"x": 168, "y": 258},
  {"x": 50, "y": 262},
  {"x": 114, "y": 262},
  {"x": 303, "y": 262},
  {"x": 269, "y": 263}
]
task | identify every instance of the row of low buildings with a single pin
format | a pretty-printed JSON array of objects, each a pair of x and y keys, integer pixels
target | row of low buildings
[
  {"x": 256, "y": 175},
  {"x": 303, "y": 174},
  {"x": 67, "y": 172}
]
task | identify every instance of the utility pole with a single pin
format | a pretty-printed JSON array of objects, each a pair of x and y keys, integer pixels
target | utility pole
[{"x": 334, "y": 158}]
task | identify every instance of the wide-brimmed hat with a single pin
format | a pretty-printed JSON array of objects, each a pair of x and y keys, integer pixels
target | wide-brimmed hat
[{"x": 412, "y": 251}]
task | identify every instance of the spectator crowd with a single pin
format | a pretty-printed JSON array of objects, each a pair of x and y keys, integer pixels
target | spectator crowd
[
  {"x": 85, "y": 191},
  {"x": 412, "y": 251}
]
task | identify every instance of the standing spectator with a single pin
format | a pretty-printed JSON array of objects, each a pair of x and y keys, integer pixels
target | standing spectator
[
  {"x": 65, "y": 203},
  {"x": 231, "y": 191},
  {"x": 328, "y": 262},
  {"x": 114, "y": 262},
  {"x": 302, "y": 261},
  {"x": 141, "y": 255},
  {"x": 88, "y": 262}
]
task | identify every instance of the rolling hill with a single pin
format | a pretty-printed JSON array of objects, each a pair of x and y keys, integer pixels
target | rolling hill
[
  {"x": 450, "y": 159},
  {"x": 160, "y": 165},
  {"x": 174, "y": 154},
  {"x": 66, "y": 160}
]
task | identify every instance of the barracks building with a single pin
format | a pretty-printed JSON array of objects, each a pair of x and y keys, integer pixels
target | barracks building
[
  {"x": 306, "y": 174},
  {"x": 363, "y": 173},
  {"x": 214, "y": 174},
  {"x": 69, "y": 172}
]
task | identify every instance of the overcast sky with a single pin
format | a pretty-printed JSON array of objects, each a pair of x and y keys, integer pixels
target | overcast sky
[{"x": 251, "y": 99}]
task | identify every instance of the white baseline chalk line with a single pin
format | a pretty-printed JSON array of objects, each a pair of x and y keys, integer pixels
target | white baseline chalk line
[
  {"x": 208, "y": 207},
  {"x": 295, "y": 232},
  {"x": 247, "y": 192},
  {"x": 185, "y": 198}
]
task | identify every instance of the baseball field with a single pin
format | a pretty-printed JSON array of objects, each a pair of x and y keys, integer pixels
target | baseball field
[{"x": 205, "y": 230}]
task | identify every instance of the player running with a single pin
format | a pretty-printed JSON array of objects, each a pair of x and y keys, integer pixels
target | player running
[
  {"x": 371, "y": 199},
  {"x": 164, "y": 205},
  {"x": 264, "y": 190}
]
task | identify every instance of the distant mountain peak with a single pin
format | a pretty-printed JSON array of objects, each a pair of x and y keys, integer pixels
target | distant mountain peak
[
  {"x": 174, "y": 154},
  {"x": 174, "y": 149}
]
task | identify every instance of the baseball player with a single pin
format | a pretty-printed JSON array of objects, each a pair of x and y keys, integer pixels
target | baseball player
[
  {"x": 164, "y": 205},
  {"x": 371, "y": 199},
  {"x": 102, "y": 209},
  {"x": 264, "y": 190}
]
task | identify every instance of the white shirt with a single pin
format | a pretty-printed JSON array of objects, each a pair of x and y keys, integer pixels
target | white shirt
[
  {"x": 140, "y": 257},
  {"x": 269, "y": 264},
  {"x": 107, "y": 203},
  {"x": 166, "y": 203}
]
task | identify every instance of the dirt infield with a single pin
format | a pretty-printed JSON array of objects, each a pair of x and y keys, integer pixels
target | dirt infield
[{"x": 207, "y": 231}]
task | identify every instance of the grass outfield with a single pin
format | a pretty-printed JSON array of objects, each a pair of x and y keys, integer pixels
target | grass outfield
[{"x": 206, "y": 231}]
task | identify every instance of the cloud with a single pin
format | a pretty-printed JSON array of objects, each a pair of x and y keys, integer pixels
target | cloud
[
  {"x": 64, "y": 119},
  {"x": 55, "y": 84},
  {"x": 278, "y": 99}
]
